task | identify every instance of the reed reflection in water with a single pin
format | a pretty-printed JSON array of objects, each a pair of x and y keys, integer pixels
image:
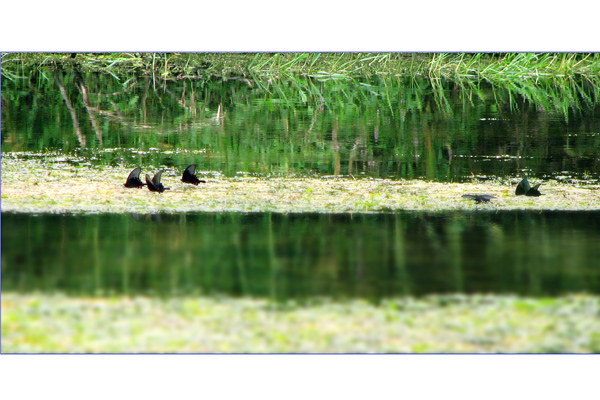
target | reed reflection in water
[
  {"x": 409, "y": 127},
  {"x": 299, "y": 256}
]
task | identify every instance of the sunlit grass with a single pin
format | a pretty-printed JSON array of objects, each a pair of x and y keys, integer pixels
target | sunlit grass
[
  {"x": 483, "y": 65},
  {"x": 41, "y": 323}
]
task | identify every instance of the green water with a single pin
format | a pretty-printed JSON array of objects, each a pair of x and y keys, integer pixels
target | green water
[
  {"x": 379, "y": 126},
  {"x": 301, "y": 256},
  {"x": 396, "y": 127}
]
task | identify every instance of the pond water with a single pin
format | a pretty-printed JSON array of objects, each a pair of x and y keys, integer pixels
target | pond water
[
  {"x": 300, "y": 256},
  {"x": 380, "y": 126}
]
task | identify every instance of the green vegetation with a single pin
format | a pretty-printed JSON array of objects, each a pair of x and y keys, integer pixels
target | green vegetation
[
  {"x": 289, "y": 133},
  {"x": 490, "y": 66},
  {"x": 62, "y": 188},
  {"x": 46, "y": 323}
]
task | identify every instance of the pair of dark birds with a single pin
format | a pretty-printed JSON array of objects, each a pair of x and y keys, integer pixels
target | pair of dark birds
[
  {"x": 154, "y": 184},
  {"x": 523, "y": 188}
]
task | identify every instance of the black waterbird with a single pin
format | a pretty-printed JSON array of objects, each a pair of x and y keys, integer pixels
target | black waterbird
[
  {"x": 133, "y": 180},
  {"x": 523, "y": 188},
  {"x": 479, "y": 197},
  {"x": 189, "y": 176},
  {"x": 154, "y": 185}
]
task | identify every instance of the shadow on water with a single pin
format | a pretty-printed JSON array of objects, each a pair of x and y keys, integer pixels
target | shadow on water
[{"x": 300, "y": 256}]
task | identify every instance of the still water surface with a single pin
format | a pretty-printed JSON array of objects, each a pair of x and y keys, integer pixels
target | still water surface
[
  {"x": 380, "y": 126},
  {"x": 300, "y": 256}
]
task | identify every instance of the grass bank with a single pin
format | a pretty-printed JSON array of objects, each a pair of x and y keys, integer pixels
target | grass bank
[
  {"x": 490, "y": 66},
  {"x": 43, "y": 323},
  {"x": 34, "y": 186}
]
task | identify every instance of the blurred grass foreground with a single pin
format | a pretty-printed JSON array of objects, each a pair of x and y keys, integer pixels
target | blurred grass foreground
[{"x": 36, "y": 323}]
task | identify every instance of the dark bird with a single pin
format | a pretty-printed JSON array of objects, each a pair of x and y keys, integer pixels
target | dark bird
[
  {"x": 479, "y": 197},
  {"x": 133, "y": 180},
  {"x": 523, "y": 188},
  {"x": 189, "y": 176},
  {"x": 154, "y": 185}
]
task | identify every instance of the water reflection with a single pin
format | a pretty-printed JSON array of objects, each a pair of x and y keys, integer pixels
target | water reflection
[
  {"x": 304, "y": 255},
  {"x": 389, "y": 127}
]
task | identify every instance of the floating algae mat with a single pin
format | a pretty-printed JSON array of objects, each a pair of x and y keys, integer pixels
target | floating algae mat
[{"x": 34, "y": 186}]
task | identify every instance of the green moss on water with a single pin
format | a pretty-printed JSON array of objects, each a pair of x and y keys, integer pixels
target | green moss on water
[{"x": 91, "y": 190}]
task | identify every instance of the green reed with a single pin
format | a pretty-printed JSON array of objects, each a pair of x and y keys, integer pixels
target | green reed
[{"x": 483, "y": 65}]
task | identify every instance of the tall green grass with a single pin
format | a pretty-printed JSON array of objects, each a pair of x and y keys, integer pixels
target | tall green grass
[
  {"x": 553, "y": 81},
  {"x": 490, "y": 66}
]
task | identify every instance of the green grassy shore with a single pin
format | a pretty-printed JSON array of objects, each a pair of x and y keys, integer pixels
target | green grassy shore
[{"x": 490, "y": 66}]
